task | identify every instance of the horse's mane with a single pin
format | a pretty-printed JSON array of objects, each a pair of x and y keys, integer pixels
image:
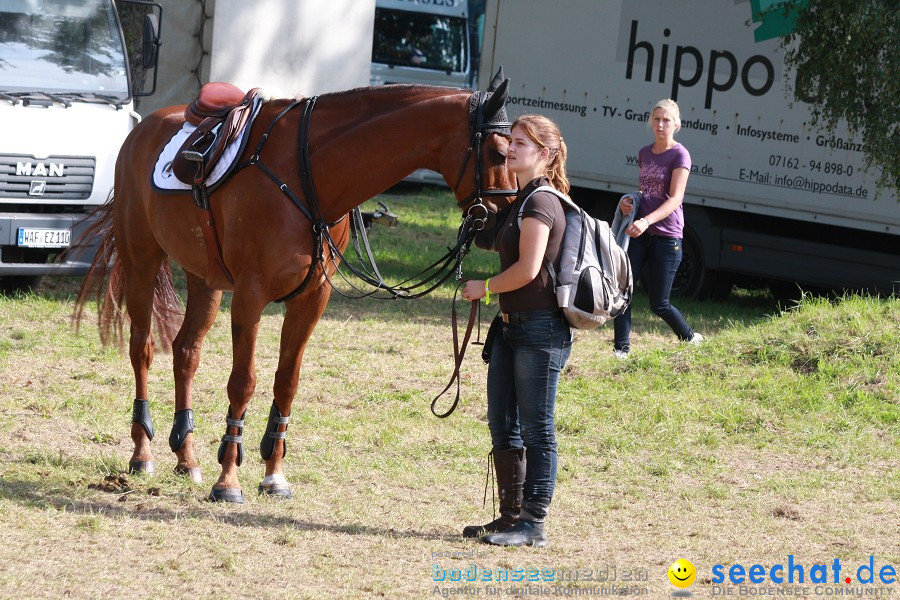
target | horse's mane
[{"x": 399, "y": 89}]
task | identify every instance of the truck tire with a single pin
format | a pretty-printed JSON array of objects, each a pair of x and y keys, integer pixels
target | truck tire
[{"x": 693, "y": 280}]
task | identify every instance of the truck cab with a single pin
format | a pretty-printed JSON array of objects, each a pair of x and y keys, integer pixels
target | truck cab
[
  {"x": 426, "y": 42},
  {"x": 66, "y": 105},
  {"x": 422, "y": 42}
]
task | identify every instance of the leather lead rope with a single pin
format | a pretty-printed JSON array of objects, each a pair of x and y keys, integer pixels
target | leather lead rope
[{"x": 459, "y": 352}]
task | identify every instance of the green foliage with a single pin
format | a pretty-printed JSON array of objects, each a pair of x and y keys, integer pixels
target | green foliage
[{"x": 845, "y": 54}]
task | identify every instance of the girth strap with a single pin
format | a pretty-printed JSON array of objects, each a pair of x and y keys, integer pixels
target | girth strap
[
  {"x": 237, "y": 438},
  {"x": 217, "y": 275}
]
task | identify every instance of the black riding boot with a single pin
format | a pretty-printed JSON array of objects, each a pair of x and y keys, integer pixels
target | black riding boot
[
  {"x": 529, "y": 531},
  {"x": 510, "y": 468}
]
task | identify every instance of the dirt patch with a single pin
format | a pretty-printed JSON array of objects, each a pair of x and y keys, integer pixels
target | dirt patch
[{"x": 114, "y": 484}]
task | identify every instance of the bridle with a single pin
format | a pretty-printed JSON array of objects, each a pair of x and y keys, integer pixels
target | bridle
[{"x": 473, "y": 205}]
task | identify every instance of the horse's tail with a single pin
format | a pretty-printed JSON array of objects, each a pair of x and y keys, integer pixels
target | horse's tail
[{"x": 105, "y": 281}]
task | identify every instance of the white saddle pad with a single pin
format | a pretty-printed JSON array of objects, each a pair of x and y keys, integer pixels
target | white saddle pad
[{"x": 164, "y": 178}]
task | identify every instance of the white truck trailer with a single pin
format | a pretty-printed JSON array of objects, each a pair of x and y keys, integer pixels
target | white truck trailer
[
  {"x": 65, "y": 108},
  {"x": 770, "y": 198}
]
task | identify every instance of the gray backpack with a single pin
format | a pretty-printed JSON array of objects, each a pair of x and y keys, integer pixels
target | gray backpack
[{"x": 594, "y": 281}]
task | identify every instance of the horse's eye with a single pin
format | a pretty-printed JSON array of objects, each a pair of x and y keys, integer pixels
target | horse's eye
[{"x": 500, "y": 157}]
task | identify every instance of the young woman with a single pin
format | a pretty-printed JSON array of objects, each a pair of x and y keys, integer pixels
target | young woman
[
  {"x": 659, "y": 227},
  {"x": 527, "y": 358}
]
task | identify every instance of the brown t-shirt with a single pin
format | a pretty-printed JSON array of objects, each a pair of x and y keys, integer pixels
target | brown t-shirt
[{"x": 538, "y": 294}]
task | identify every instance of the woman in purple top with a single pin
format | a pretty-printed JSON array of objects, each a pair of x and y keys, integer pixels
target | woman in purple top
[{"x": 659, "y": 227}]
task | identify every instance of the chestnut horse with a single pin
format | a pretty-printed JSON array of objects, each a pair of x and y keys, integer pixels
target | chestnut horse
[{"x": 270, "y": 219}]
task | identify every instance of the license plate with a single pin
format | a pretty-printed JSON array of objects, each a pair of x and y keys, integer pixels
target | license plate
[{"x": 30, "y": 237}]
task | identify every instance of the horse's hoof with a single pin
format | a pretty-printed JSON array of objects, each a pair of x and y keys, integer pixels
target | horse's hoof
[
  {"x": 235, "y": 496},
  {"x": 142, "y": 466},
  {"x": 192, "y": 472},
  {"x": 275, "y": 485},
  {"x": 277, "y": 491}
]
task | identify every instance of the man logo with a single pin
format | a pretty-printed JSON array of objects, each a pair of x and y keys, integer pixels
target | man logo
[
  {"x": 37, "y": 188},
  {"x": 40, "y": 169}
]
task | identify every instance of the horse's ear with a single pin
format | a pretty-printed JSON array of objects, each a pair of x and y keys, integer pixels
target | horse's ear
[
  {"x": 497, "y": 100},
  {"x": 497, "y": 80}
]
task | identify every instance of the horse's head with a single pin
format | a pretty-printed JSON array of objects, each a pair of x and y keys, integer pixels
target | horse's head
[{"x": 485, "y": 185}]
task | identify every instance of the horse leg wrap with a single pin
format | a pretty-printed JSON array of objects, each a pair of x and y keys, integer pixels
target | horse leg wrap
[
  {"x": 141, "y": 414},
  {"x": 267, "y": 445},
  {"x": 183, "y": 425},
  {"x": 237, "y": 438}
]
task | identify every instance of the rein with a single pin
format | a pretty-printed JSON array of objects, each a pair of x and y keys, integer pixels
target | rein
[{"x": 475, "y": 216}]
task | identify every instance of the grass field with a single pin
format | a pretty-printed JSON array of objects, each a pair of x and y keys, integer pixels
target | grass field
[{"x": 777, "y": 437}]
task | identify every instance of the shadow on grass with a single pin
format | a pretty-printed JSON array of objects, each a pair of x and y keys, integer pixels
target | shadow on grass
[{"x": 28, "y": 494}]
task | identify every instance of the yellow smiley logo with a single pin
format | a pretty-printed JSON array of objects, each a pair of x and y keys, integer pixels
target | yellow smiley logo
[{"x": 682, "y": 573}]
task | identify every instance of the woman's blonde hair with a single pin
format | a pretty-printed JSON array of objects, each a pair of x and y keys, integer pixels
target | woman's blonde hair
[
  {"x": 670, "y": 107},
  {"x": 545, "y": 133}
]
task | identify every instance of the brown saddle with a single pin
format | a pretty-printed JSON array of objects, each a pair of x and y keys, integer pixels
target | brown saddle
[{"x": 220, "y": 112}]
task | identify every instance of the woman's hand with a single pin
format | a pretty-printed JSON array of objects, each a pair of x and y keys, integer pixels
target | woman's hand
[
  {"x": 473, "y": 290},
  {"x": 638, "y": 227},
  {"x": 626, "y": 206}
]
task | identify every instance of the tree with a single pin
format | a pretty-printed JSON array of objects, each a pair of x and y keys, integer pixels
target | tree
[{"x": 846, "y": 57}]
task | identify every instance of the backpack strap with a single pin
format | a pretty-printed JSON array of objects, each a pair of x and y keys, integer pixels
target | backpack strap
[{"x": 567, "y": 203}]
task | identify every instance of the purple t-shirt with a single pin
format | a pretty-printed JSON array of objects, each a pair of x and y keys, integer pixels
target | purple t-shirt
[{"x": 655, "y": 181}]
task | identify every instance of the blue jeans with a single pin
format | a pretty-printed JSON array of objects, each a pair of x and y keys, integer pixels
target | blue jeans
[
  {"x": 526, "y": 361},
  {"x": 661, "y": 256}
]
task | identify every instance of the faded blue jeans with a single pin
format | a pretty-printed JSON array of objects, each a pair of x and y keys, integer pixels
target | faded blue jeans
[
  {"x": 660, "y": 256},
  {"x": 526, "y": 361}
]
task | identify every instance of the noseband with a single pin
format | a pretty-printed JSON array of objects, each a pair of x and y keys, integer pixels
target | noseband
[{"x": 473, "y": 205}]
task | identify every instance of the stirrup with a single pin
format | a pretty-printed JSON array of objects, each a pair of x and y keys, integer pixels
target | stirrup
[
  {"x": 192, "y": 155},
  {"x": 235, "y": 439},
  {"x": 140, "y": 413},
  {"x": 183, "y": 425},
  {"x": 267, "y": 444}
]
